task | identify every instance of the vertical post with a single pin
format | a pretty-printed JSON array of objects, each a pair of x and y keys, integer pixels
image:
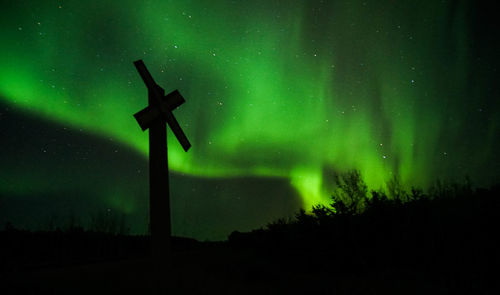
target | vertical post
[{"x": 159, "y": 199}]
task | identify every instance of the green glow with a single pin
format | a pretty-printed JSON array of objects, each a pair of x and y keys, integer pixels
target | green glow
[{"x": 270, "y": 90}]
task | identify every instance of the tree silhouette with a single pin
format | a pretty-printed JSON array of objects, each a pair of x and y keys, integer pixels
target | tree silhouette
[{"x": 350, "y": 195}]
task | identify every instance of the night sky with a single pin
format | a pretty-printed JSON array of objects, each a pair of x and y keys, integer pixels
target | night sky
[{"x": 279, "y": 95}]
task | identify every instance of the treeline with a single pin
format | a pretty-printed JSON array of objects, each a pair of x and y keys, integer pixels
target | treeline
[
  {"x": 101, "y": 221},
  {"x": 67, "y": 242},
  {"x": 449, "y": 228},
  {"x": 105, "y": 236}
]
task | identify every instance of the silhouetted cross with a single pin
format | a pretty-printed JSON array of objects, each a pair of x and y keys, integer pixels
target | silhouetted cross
[{"x": 154, "y": 117}]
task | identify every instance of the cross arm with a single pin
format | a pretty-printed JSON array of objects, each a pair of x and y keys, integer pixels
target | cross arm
[
  {"x": 177, "y": 130},
  {"x": 150, "y": 113},
  {"x": 154, "y": 89},
  {"x": 145, "y": 75},
  {"x": 162, "y": 107}
]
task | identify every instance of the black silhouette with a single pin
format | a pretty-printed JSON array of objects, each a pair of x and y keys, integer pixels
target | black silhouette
[
  {"x": 154, "y": 117},
  {"x": 364, "y": 242}
]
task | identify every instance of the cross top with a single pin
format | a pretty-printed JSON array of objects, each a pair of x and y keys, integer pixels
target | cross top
[{"x": 160, "y": 107}]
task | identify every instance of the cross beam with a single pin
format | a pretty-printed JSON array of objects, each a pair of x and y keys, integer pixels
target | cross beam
[
  {"x": 154, "y": 117},
  {"x": 162, "y": 106}
]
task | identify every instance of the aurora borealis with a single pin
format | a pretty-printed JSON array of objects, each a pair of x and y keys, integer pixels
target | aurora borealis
[{"x": 277, "y": 92}]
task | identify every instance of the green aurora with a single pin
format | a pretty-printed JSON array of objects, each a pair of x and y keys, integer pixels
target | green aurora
[{"x": 289, "y": 89}]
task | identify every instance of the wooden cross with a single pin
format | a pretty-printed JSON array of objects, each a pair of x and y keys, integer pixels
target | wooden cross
[{"x": 154, "y": 117}]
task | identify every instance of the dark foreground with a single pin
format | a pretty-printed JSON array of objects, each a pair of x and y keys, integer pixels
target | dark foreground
[
  {"x": 445, "y": 245},
  {"x": 221, "y": 270}
]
